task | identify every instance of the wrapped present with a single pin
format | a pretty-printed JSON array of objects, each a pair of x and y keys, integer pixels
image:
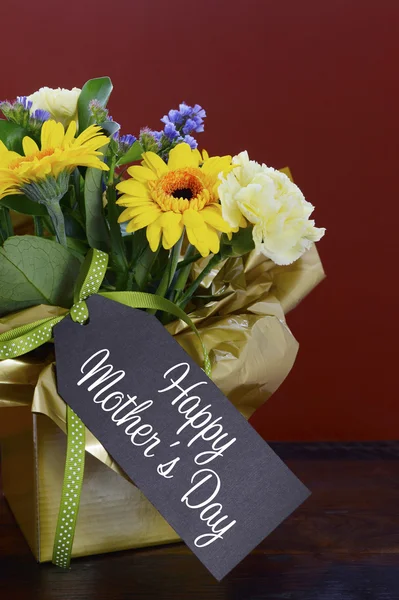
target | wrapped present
[{"x": 252, "y": 351}]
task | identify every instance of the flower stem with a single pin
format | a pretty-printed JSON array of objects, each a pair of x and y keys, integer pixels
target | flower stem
[
  {"x": 182, "y": 302},
  {"x": 118, "y": 253},
  {"x": 57, "y": 218},
  {"x": 169, "y": 273},
  {"x": 6, "y": 228},
  {"x": 184, "y": 268},
  {"x": 38, "y": 224}
]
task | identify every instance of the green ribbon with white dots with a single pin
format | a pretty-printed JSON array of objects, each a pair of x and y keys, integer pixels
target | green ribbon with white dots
[
  {"x": 89, "y": 281},
  {"x": 23, "y": 339}
]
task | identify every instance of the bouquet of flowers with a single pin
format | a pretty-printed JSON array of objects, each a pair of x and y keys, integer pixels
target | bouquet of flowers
[{"x": 226, "y": 239}]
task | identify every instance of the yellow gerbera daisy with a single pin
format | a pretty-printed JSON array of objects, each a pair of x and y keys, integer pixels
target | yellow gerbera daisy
[
  {"x": 166, "y": 198},
  {"x": 59, "y": 154}
]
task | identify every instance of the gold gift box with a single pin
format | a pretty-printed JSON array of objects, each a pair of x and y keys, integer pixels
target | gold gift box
[
  {"x": 252, "y": 351},
  {"x": 113, "y": 515}
]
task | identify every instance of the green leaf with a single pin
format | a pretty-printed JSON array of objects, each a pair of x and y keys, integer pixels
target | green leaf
[
  {"x": 78, "y": 248},
  {"x": 73, "y": 227},
  {"x": 110, "y": 127},
  {"x": 12, "y": 135},
  {"x": 22, "y": 204},
  {"x": 134, "y": 153},
  {"x": 96, "y": 228},
  {"x": 241, "y": 243},
  {"x": 95, "y": 89},
  {"x": 36, "y": 271}
]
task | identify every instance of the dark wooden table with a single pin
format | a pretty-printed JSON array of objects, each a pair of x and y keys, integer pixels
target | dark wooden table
[{"x": 342, "y": 544}]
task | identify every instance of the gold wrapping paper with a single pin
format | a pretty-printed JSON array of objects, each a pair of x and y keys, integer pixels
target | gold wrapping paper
[
  {"x": 252, "y": 351},
  {"x": 113, "y": 514}
]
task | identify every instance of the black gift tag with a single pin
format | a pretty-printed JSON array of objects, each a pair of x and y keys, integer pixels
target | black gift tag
[{"x": 181, "y": 441}]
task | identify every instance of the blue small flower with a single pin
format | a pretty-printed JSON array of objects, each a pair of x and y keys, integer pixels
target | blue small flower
[
  {"x": 185, "y": 110},
  {"x": 127, "y": 139},
  {"x": 192, "y": 142},
  {"x": 157, "y": 135},
  {"x": 99, "y": 112},
  {"x": 180, "y": 124},
  {"x": 187, "y": 119},
  {"x": 190, "y": 126},
  {"x": 27, "y": 104},
  {"x": 171, "y": 132},
  {"x": 173, "y": 116},
  {"x": 40, "y": 115},
  {"x": 20, "y": 112},
  {"x": 125, "y": 142},
  {"x": 150, "y": 139}
]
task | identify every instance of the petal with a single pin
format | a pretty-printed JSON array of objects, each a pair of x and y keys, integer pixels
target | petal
[
  {"x": 92, "y": 136},
  {"x": 148, "y": 217},
  {"x": 172, "y": 228},
  {"x": 217, "y": 164},
  {"x": 136, "y": 211},
  {"x": 125, "y": 215},
  {"x": 127, "y": 200},
  {"x": 154, "y": 231},
  {"x": 70, "y": 134},
  {"x": 192, "y": 218},
  {"x": 155, "y": 163},
  {"x": 213, "y": 240},
  {"x": 8, "y": 157},
  {"x": 29, "y": 146},
  {"x": 212, "y": 214},
  {"x": 196, "y": 231},
  {"x": 142, "y": 174},
  {"x": 196, "y": 242},
  {"x": 52, "y": 134},
  {"x": 133, "y": 188},
  {"x": 182, "y": 156}
]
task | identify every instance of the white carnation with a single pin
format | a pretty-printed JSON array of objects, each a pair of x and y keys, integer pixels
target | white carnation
[
  {"x": 60, "y": 103},
  {"x": 275, "y": 206}
]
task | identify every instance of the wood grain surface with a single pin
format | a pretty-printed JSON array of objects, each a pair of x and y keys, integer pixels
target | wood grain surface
[{"x": 342, "y": 544}]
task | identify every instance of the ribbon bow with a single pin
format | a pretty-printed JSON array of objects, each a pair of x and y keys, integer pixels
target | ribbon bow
[{"x": 21, "y": 340}]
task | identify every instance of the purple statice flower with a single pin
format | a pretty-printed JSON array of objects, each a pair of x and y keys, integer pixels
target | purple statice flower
[
  {"x": 98, "y": 112},
  {"x": 150, "y": 139},
  {"x": 40, "y": 115},
  {"x": 20, "y": 112},
  {"x": 125, "y": 142},
  {"x": 27, "y": 104},
  {"x": 157, "y": 135},
  {"x": 187, "y": 120},
  {"x": 173, "y": 116},
  {"x": 192, "y": 142},
  {"x": 170, "y": 131},
  {"x": 127, "y": 139}
]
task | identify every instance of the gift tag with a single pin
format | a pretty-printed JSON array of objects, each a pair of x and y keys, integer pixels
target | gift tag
[{"x": 174, "y": 433}]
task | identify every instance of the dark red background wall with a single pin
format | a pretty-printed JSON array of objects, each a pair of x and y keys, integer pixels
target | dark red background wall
[{"x": 309, "y": 83}]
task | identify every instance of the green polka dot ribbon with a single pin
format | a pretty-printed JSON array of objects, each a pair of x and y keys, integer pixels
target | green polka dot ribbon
[
  {"x": 89, "y": 282},
  {"x": 71, "y": 490},
  {"x": 25, "y": 338}
]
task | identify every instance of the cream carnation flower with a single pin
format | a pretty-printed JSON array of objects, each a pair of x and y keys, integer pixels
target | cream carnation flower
[
  {"x": 60, "y": 103},
  {"x": 275, "y": 206}
]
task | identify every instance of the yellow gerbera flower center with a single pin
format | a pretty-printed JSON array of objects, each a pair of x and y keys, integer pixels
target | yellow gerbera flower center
[
  {"x": 182, "y": 189},
  {"x": 36, "y": 155}
]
